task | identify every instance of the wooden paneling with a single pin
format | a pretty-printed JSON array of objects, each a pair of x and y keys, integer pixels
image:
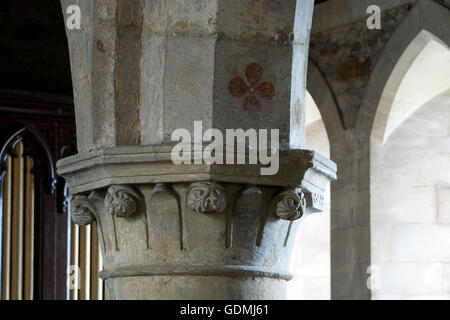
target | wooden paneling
[
  {"x": 18, "y": 240},
  {"x": 17, "y": 225},
  {"x": 74, "y": 262},
  {"x": 96, "y": 282},
  {"x": 85, "y": 263},
  {"x": 34, "y": 248},
  {"x": 29, "y": 231},
  {"x": 6, "y": 232}
]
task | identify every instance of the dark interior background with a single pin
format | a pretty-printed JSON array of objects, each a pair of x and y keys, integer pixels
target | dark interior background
[{"x": 33, "y": 47}]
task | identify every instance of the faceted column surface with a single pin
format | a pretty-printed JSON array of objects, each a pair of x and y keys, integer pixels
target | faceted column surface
[{"x": 142, "y": 69}]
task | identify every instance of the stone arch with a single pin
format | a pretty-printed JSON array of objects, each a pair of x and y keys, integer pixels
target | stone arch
[
  {"x": 426, "y": 24},
  {"x": 325, "y": 101},
  {"x": 351, "y": 150},
  {"x": 425, "y": 15},
  {"x": 420, "y": 74}
]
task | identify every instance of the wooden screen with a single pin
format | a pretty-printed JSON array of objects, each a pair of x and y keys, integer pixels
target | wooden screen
[
  {"x": 41, "y": 251},
  {"x": 18, "y": 223},
  {"x": 85, "y": 264},
  {"x": 35, "y": 131},
  {"x": 17, "y": 220}
]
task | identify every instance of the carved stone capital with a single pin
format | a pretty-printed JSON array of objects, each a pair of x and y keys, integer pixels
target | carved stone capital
[
  {"x": 129, "y": 165},
  {"x": 121, "y": 201},
  {"x": 290, "y": 205},
  {"x": 82, "y": 210},
  {"x": 206, "y": 197},
  {"x": 314, "y": 201}
]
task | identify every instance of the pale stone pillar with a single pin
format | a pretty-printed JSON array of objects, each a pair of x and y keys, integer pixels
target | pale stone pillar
[{"x": 142, "y": 69}]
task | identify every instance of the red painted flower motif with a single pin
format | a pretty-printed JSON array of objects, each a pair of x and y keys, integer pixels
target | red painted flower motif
[{"x": 249, "y": 90}]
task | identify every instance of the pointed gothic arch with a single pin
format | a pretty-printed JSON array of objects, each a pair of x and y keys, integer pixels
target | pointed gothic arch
[
  {"x": 425, "y": 15},
  {"x": 388, "y": 110},
  {"x": 421, "y": 73}
]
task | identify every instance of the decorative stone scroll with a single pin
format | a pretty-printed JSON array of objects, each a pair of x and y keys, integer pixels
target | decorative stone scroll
[
  {"x": 82, "y": 210},
  {"x": 290, "y": 205},
  {"x": 121, "y": 201},
  {"x": 317, "y": 200},
  {"x": 207, "y": 197}
]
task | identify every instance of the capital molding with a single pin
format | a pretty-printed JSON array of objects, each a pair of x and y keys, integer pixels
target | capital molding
[
  {"x": 134, "y": 165},
  {"x": 220, "y": 270}
]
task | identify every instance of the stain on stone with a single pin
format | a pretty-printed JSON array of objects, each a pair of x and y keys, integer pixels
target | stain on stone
[
  {"x": 184, "y": 27},
  {"x": 352, "y": 68},
  {"x": 356, "y": 46},
  {"x": 335, "y": 49},
  {"x": 100, "y": 46},
  {"x": 329, "y": 51},
  {"x": 347, "y": 56},
  {"x": 283, "y": 36},
  {"x": 296, "y": 113},
  {"x": 324, "y": 52}
]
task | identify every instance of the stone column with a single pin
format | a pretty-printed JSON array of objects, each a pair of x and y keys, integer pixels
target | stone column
[{"x": 142, "y": 69}]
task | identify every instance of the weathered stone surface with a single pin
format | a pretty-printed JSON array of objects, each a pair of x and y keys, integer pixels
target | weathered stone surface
[
  {"x": 174, "y": 237},
  {"x": 173, "y": 63},
  {"x": 347, "y": 56},
  {"x": 144, "y": 68},
  {"x": 152, "y": 164},
  {"x": 409, "y": 230},
  {"x": 164, "y": 220},
  {"x": 356, "y": 243},
  {"x": 197, "y": 288}
]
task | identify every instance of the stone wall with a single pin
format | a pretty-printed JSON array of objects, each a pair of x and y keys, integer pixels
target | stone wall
[
  {"x": 409, "y": 207},
  {"x": 349, "y": 69},
  {"x": 347, "y": 55}
]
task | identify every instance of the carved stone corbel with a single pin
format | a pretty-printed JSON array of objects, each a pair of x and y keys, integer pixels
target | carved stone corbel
[
  {"x": 290, "y": 205},
  {"x": 206, "y": 197},
  {"x": 121, "y": 201},
  {"x": 83, "y": 212}
]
